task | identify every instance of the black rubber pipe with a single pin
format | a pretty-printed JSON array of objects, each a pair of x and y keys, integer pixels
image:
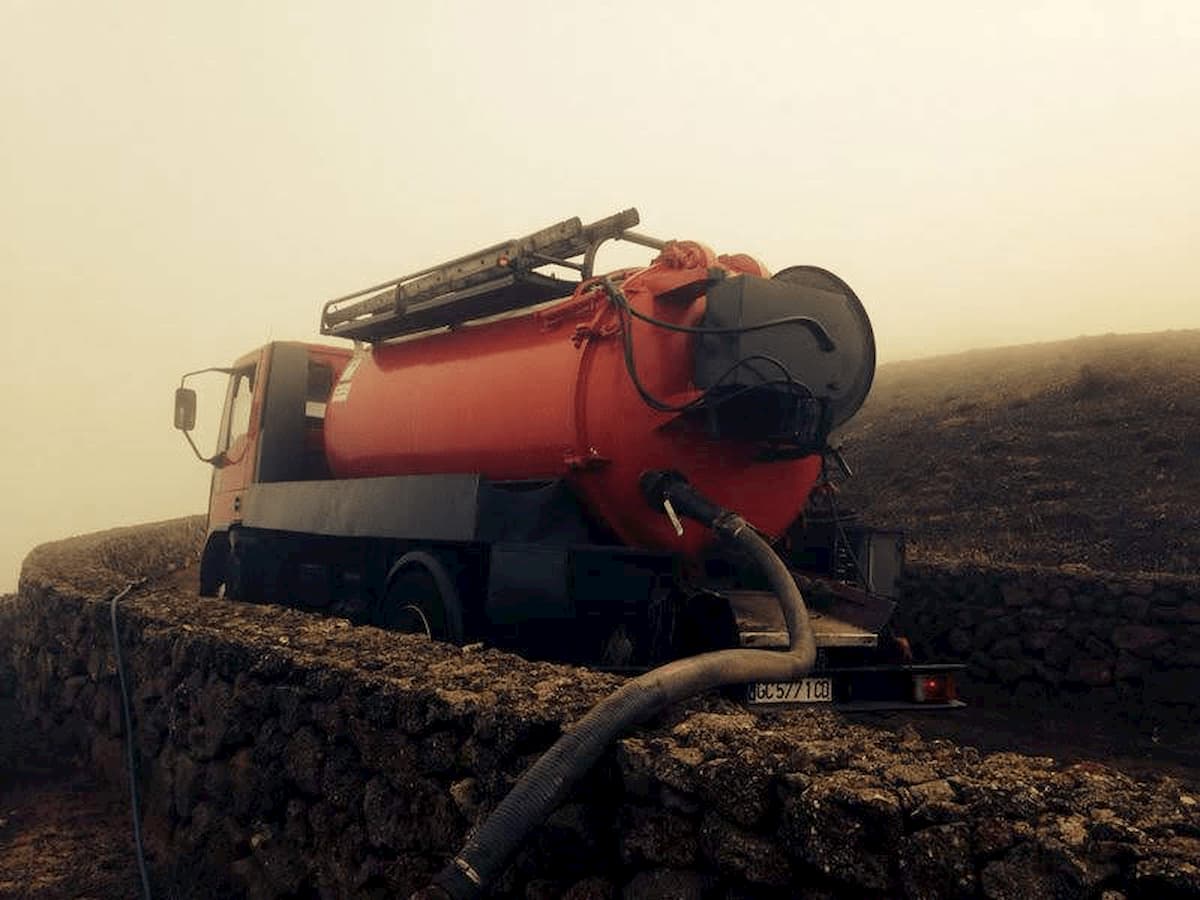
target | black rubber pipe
[{"x": 547, "y": 782}]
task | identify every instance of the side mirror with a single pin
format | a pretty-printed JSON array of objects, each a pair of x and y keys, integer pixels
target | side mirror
[{"x": 185, "y": 409}]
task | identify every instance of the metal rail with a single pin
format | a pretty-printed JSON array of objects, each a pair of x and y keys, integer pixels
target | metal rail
[{"x": 497, "y": 279}]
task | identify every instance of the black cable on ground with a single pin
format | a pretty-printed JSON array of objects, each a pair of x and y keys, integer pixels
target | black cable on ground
[{"x": 134, "y": 799}]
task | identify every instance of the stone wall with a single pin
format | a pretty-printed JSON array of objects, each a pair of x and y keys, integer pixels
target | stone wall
[
  {"x": 1123, "y": 642},
  {"x": 296, "y": 756}
]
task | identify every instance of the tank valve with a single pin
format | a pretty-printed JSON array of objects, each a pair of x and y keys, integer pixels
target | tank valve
[
  {"x": 669, "y": 491},
  {"x": 669, "y": 509}
]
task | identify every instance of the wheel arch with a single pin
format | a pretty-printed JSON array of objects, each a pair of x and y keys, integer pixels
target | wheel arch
[{"x": 214, "y": 562}]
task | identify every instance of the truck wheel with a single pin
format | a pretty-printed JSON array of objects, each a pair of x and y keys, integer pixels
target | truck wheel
[
  {"x": 243, "y": 569},
  {"x": 420, "y": 598},
  {"x": 213, "y": 564}
]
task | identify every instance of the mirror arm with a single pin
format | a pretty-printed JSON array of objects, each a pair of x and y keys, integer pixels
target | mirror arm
[
  {"x": 187, "y": 375},
  {"x": 217, "y": 460}
]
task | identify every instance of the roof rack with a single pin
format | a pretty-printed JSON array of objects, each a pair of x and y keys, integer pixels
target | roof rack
[{"x": 498, "y": 279}]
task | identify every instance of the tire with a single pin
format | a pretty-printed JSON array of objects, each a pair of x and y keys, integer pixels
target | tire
[
  {"x": 243, "y": 569},
  {"x": 420, "y": 597}
]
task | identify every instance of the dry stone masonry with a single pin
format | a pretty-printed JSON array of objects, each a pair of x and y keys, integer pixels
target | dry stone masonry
[
  {"x": 297, "y": 756},
  {"x": 1123, "y": 642}
]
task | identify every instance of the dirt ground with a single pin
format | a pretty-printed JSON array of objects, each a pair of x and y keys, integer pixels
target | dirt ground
[
  {"x": 993, "y": 724},
  {"x": 62, "y": 833}
]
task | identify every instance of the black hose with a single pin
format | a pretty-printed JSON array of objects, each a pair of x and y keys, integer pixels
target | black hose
[
  {"x": 815, "y": 328},
  {"x": 546, "y": 783},
  {"x": 134, "y": 800}
]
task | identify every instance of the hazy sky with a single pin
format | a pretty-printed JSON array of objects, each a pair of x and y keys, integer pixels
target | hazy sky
[{"x": 181, "y": 182}]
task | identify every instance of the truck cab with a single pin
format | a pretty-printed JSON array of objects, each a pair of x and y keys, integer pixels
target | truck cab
[{"x": 272, "y": 430}]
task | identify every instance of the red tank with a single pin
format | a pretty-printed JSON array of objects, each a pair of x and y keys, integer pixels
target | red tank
[{"x": 548, "y": 393}]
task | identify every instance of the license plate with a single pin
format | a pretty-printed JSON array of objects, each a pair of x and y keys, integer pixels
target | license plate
[{"x": 806, "y": 690}]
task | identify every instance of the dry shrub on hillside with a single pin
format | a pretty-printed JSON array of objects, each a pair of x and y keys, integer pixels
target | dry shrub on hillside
[{"x": 1083, "y": 451}]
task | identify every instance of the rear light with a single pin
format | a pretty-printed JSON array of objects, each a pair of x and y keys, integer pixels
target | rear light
[{"x": 937, "y": 688}]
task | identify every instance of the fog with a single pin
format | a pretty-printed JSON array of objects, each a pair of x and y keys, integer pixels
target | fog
[{"x": 182, "y": 182}]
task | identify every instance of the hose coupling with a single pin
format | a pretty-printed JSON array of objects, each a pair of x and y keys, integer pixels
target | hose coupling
[{"x": 729, "y": 526}]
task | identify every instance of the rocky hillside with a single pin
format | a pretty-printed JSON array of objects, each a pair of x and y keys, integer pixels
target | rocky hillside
[{"x": 1075, "y": 452}]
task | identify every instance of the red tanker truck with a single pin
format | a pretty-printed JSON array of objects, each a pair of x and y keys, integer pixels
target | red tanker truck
[{"x": 515, "y": 450}]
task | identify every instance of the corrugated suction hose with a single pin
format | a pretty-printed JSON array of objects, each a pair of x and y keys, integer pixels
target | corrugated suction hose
[{"x": 547, "y": 782}]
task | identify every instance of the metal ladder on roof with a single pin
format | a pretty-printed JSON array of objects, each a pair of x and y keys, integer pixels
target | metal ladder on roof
[{"x": 497, "y": 279}]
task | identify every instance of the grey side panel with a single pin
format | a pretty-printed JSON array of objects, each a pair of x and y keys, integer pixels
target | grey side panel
[
  {"x": 531, "y": 512},
  {"x": 410, "y": 507}
]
